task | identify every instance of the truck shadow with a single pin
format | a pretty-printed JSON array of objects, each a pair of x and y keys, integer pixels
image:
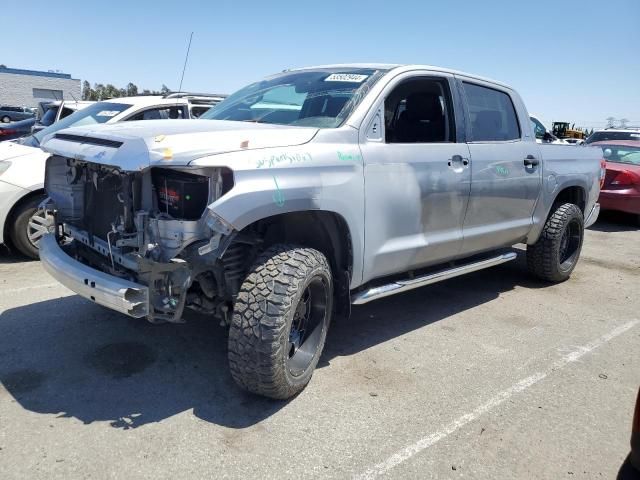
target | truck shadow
[
  {"x": 9, "y": 256},
  {"x": 69, "y": 358},
  {"x": 610, "y": 221}
]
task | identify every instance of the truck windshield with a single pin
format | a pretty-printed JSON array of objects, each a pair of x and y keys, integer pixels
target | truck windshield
[
  {"x": 321, "y": 98},
  {"x": 100, "y": 112}
]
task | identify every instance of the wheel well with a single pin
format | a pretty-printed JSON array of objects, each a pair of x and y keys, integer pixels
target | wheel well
[
  {"x": 325, "y": 231},
  {"x": 575, "y": 195},
  {"x": 16, "y": 207}
]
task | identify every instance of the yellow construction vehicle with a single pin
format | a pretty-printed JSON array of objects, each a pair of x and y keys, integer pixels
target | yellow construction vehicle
[{"x": 562, "y": 130}]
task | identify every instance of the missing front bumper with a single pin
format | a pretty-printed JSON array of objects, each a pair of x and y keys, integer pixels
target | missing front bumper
[{"x": 112, "y": 292}]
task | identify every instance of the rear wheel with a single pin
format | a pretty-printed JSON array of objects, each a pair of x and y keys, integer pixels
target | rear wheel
[
  {"x": 29, "y": 225},
  {"x": 6, "y": 119},
  {"x": 554, "y": 256},
  {"x": 280, "y": 321}
]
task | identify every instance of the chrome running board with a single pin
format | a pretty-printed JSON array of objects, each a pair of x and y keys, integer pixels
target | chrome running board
[{"x": 399, "y": 286}]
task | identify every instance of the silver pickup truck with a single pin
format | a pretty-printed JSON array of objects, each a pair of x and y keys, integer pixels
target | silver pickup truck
[{"x": 308, "y": 192}]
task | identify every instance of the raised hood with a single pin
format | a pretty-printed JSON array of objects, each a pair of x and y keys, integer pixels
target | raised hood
[{"x": 139, "y": 145}]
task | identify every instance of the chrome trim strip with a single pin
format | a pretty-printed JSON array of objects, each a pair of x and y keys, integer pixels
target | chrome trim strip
[
  {"x": 112, "y": 292},
  {"x": 400, "y": 286}
]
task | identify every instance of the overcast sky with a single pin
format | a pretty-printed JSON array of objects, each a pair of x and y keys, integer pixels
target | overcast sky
[{"x": 571, "y": 61}]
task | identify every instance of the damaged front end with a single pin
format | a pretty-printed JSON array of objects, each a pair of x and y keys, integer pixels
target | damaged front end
[{"x": 151, "y": 231}]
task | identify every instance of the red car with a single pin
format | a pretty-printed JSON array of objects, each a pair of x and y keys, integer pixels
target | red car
[{"x": 621, "y": 189}]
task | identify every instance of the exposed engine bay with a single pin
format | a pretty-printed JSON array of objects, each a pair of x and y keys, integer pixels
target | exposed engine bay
[{"x": 152, "y": 227}]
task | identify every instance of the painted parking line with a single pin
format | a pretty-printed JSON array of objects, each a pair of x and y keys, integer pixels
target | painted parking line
[{"x": 433, "y": 438}]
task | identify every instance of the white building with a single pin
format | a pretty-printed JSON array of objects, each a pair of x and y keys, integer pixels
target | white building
[{"x": 27, "y": 88}]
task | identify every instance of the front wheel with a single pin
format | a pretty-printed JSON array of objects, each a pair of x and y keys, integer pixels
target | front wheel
[
  {"x": 5, "y": 119},
  {"x": 280, "y": 321},
  {"x": 554, "y": 256},
  {"x": 29, "y": 225}
]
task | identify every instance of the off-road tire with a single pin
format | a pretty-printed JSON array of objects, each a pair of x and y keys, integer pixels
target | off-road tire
[
  {"x": 18, "y": 228},
  {"x": 544, "y": 257},
  {"x": 268, "y": 300}
]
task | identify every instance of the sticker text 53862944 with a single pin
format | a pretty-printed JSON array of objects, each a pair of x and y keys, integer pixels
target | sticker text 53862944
[{"x": 346, "y": 77}]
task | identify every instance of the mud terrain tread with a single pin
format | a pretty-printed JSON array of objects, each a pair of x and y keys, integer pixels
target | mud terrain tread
[
  {"x": 261, "y": 310},
  {"x": 542, "y": 256}
]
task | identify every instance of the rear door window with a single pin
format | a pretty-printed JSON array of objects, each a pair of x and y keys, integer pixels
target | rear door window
[
  {"x": 197, "y": 111},
  {"x": 66, "y": 112},
  {"x": 492, "y": 114},
  {"x": 161, "y": 113}
]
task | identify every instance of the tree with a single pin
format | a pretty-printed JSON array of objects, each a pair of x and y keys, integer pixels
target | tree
[
  {"x": 103, "y": 92},
  {"x": 610, "y": 122},
  {"x": 132, "y": 89},
  {"x": 623, "y": 122},
  {"x": 86, "y": 90}
]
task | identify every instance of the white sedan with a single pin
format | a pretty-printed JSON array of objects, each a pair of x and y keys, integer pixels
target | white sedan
[{"x": 22, "y": 162}]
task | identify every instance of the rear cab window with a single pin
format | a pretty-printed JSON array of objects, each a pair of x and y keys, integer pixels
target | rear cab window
[{"x": 491, "y": 113}]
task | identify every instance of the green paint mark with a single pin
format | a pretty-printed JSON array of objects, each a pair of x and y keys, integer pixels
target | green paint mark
[
  {"x": 502, "y": 171},
  {"x": 349, "y": 157},
  {"x": 284, "y": 158},
  {"x": 278, "y": 196}
]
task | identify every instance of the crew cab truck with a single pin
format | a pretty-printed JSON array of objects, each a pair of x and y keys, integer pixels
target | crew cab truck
[{"x": 305, "y": 193}]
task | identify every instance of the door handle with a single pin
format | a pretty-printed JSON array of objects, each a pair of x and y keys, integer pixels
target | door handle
[
  {"x": 458, "y": 159},
  {"x": 531, "y": 161}
]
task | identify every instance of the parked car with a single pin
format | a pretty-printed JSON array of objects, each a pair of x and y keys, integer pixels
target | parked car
[
  {"x": 13, "y": 130},
  {"x": 312, "y": 190},
  {"x": 22, "y": 164},
  {"x": 56, "y": 111},
  {"x": 621, "y": 189},
  {"x": 631, "y": 133},
  {"x": 542, "y": 134},
  {"x": 13, "y": 114}
]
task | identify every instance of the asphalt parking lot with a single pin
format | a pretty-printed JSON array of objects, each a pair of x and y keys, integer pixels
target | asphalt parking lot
[{"x": 492, "y": 375}]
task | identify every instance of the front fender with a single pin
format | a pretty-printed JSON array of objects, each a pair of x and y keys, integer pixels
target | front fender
[{"x": 324, "y": 178}]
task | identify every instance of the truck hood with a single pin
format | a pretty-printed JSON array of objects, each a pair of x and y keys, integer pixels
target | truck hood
[{"x": 139, "y": 145}]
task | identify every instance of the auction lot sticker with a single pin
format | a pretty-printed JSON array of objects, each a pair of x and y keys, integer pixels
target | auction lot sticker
[{"x": 346, "y": 77}]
